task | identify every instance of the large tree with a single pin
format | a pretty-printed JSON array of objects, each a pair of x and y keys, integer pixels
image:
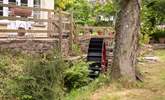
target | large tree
[{"x": 127, "y": 33}]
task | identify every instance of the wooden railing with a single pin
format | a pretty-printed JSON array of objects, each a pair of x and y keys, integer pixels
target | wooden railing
[
  {"x": 58, "y": 24},
  {"x": 86, "y": 32}
]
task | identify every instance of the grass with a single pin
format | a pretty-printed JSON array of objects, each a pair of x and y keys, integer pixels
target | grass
[
  {"x": 160, "y": 54},
  {"x": 153, "y": 87},
  {"x": 84, "y": 93}
]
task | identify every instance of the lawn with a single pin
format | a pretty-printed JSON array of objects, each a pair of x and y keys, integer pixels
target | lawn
[{"x": 152, "y": 88}]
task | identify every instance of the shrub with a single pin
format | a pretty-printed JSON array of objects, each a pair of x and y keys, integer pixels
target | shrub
[
  {"x": 77, "y": 75},
  {"x": 144, "y": 39},
  {"x": 84, "y": 92},
  {"x": 158, "y": 33},
  {"x": 10, "y": 67},
  {"x": 76, "y": 50},
  {"x": 42, "y": 79}
]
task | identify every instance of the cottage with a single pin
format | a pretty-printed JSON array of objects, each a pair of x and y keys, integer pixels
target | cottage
[
  {"x": 4, "y": 11},
  {"x": 15, "y": 24}
]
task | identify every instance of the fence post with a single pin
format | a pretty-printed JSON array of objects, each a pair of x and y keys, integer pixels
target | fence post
[
  {"x": 49, "y": 24},
  {"x": 71, "y": 33},
  {"x": 60, "y": 31}
]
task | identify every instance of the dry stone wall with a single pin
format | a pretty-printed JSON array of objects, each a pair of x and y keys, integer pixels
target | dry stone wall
[{"x": 33, "y": 46}]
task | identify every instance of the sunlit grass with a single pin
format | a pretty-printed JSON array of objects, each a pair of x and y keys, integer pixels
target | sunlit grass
[
  {"x": 152, "y": 88},
  {"x": 160, "y": 54}
]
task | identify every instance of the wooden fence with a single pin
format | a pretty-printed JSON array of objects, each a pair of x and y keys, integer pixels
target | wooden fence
[
  {"x": 87, "y": 32},
  {"x": 58, "y": 25}
]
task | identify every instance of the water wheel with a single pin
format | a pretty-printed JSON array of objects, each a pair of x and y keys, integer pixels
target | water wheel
[{"x": 97, "y": 57}]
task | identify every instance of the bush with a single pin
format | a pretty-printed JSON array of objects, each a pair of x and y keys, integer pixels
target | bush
[
  {"x": 76, "y": 50},
  {"x": 10, "y": 66},
  {"x": 42, "y": 79},
  {"x": 144, "y": 39},
  {"x": 77, "y": 75},
  {"x": 158, "y": 33},
  {"x": 84, "y": 92}
]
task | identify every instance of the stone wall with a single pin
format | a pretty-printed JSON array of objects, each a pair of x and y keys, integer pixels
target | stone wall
[
  {"x": 158, "y": 46},
  {"x": 33, "y": 46}
]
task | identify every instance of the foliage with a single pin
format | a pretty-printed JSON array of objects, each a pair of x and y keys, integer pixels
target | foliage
[
  {"x": 10, "y": 66},
  {"x": 144, "y": 39},
  {"x": 82, "y": 11},
  {"x": 63, "y": 4},
  {"x": 158, "y": 33},
  {"x": 76, "y": 50},
  {"x": 85, "y": 12},
  {"x": 107, "y": 10},
  {"x": 77, "y": 75},
  {"x": 41, "y": 78},
  {"x": 153, "y": 14},
  {"x": 84, "y": 92}
]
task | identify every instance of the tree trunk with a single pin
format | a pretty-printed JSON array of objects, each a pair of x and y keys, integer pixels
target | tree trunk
[{"x": 127, "y": 32}]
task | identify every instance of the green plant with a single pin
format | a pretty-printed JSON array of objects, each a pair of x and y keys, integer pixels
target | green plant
[
  {"x": 42, "y": 79},
  {"x": 11, "y": 64},
  {"x": 77, "y": 75},
  {"x": 76, "y": 50},
  {"x": 158, "y": 33},
  {"x": 152, "y": 14},
  {"x": 144, "y": 39},
  {"x": 84, "y": 92}
]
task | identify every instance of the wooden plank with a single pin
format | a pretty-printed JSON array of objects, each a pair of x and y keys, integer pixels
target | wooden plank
[
  {"x": 71, "y": 34},
  {"x": 26, "y": 19},
  {"x": 26, "y": 31},
  {"x": 49, "y": 24},
  {"x": 35, "y": 38},
  {"x": 80, "y": 27},
  {"x": 83, "y": 38},
  {"x": 54, "y": 35},
  {"x": 60, "y": 31},
  {"x": 64, "y": 12},
  {"x": 66, "y": 22},
  {"x": 66, "y": 31}
]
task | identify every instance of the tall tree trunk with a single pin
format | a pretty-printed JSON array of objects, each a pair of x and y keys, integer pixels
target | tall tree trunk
[{"x": 127, "y": 32}]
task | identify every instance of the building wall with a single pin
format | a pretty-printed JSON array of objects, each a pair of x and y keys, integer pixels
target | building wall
[{"x": 47, "y": 5}]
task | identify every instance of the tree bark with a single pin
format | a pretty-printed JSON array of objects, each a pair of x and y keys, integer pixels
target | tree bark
[{"x": 127, "y": 33}]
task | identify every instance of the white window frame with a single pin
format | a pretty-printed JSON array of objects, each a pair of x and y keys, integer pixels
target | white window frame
[
  {"x": 30, "y": 3},
  {"x": 6, "y": 10},
  {"x": 37, "y": 14}
]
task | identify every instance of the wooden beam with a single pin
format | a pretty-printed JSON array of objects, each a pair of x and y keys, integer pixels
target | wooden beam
[
  {"x": 60, "y": 31},
  {"x": 49, "y": 24},
  {"x": 26, "y": 31},
  {"x": 71, "y": 34},
  {"x": 22, "y": 38},
  {"x": 26, "y": 19},
  {"x": 83, "y": 38}
]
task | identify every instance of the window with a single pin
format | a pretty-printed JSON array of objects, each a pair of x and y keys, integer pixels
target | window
[
  {"x": 24, "y": 2},
  {"x": 12, "y": 2},
  {"x": 1, "y": 8},
  {"x": 37, "y": 5}
]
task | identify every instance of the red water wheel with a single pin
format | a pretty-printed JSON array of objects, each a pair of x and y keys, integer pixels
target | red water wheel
[{"x": 97, "y": 55}]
